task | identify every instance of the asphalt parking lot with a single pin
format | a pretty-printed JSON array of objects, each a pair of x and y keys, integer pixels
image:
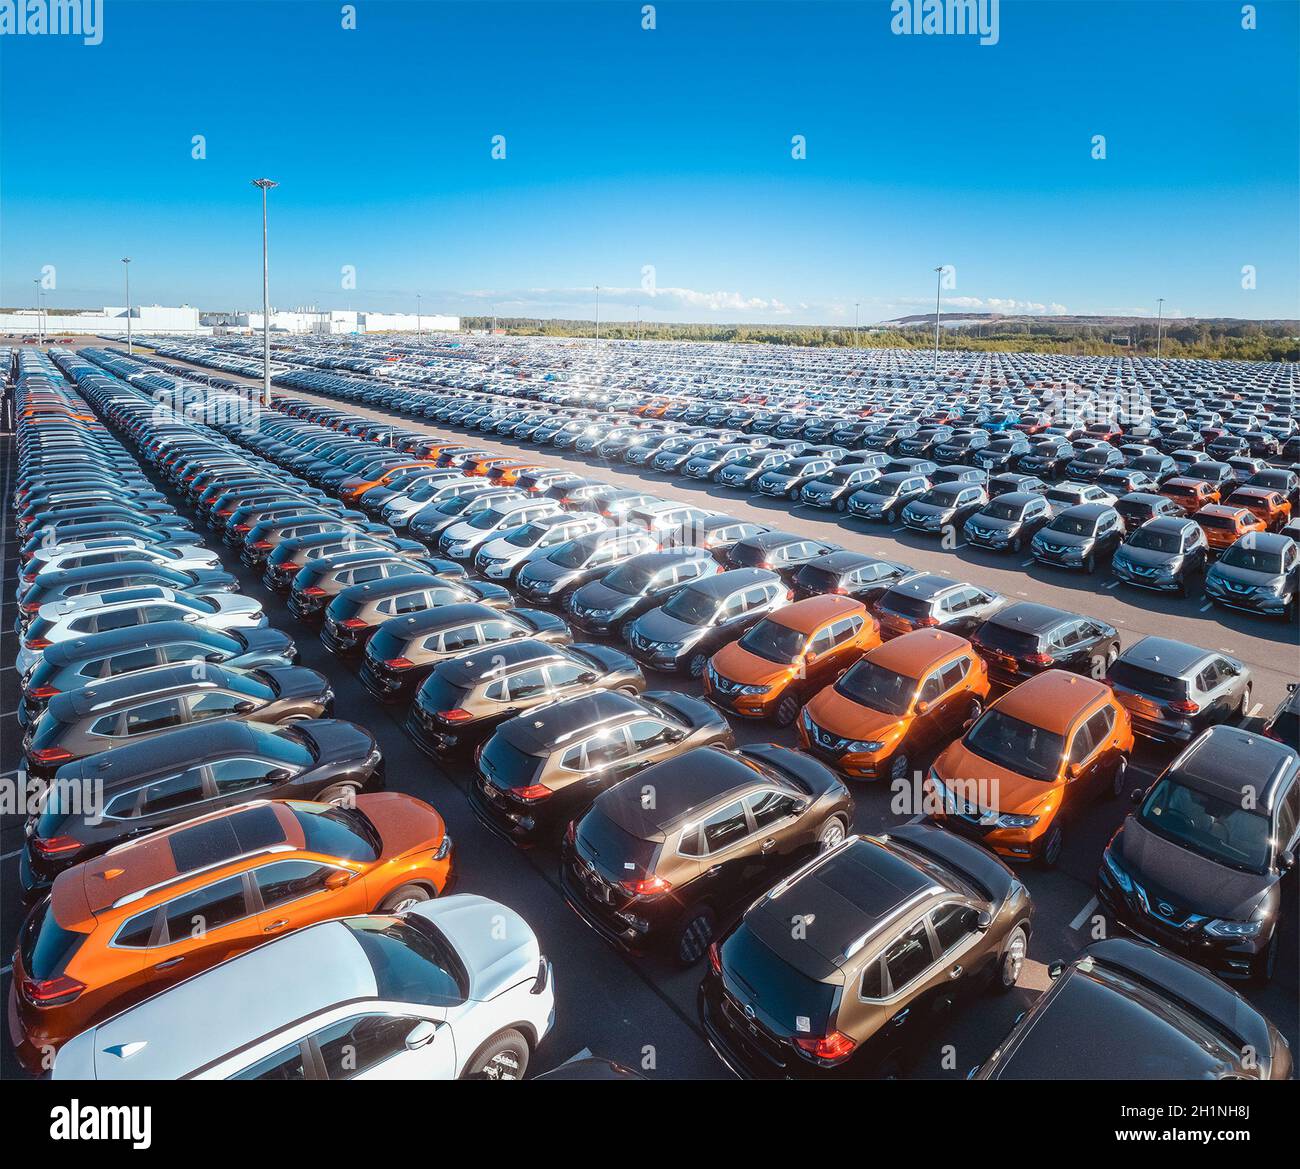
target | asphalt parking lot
[{"x": 642, "y": 1011}]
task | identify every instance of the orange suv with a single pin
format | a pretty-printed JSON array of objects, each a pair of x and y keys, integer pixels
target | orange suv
[
  {"x": 1270, "y": 507},
  {"x": 354, "y": 490},
  {"x": 794, "y": 651},
  {"x": 149, "y": 913},
  {"x": 1224, "y": 524},
  {"x": 904, "y": 695},
  {"x": 1029, "y": 762},
  {"x": 1190, "y": 494}
]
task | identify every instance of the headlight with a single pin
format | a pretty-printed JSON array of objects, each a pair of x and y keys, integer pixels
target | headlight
[
  {"x": 752, "y": 690},
  {"x": 865, "y": 745},
  {"x": 1006, "y": 820},
  {"x": 1221, "y": 928},
  {"x": 1121, "y": 878}
]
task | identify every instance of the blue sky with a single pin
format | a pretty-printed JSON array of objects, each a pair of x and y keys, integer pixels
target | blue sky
[{"x": 659, "y": 158}]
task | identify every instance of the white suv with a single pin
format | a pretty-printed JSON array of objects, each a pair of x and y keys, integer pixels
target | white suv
[{"x": 456, "y": 987}]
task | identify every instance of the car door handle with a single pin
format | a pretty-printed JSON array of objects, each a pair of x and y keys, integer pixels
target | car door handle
[
  {"x": 768, "y": 844},
  {"x": 713, "y": 872},
  {"x": 955, "y": 972},
  {"x": 901, "y": 1018},
  {"x": 169, "y": 963},
  {"x": 275, "y": 925}
]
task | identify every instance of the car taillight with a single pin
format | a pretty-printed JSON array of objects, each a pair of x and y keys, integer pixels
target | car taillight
[
  {"x": 715, "y": 958},
  {"x": 225, "y": 511},
  {"x": 353, "y": 623},
  {"x": 926, "y": 622},
  {"x": 54, "y": 845},
  {"x": 832, "y": 1048},
  {"x": 1184, "y": 706},
  {"x": 1039, "y": 659},
  {"x": 36, "y": 642},
  {"x": 313, "y": 591},
  {"x": 243, "y": 527},
  {"x": 398, "y": 663},
  {"x": 263, "y": 544},
  {"x": 646, "y": 886},
  {"x": 50, "y": 755},
  {"x": 571, "y": 833},
  {"x": 454, "y": 716},
  {"x": 44, "y": 692},
  {"x": 28, "y": 577},
  {"x": 52, "y": 992},
  {"x": 534, "y": 791},
  {"x": 32, "y": 607}
]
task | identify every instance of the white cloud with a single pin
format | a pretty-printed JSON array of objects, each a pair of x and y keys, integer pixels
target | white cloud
[{"x": 662, "y": 300}]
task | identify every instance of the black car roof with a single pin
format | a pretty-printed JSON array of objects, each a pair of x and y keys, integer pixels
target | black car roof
[
  {"x": 490, "y": 663},
  {"x": 157, "y": 681},
  {"x": 443, "y": 617},
  {"x": 723, "y": 584},
  {"x": 924, "y": 584},
  {"x": 1162, "y": 655},
  {"x": 846, "y": 896},
  {"x": 682, "y": 786},
  {"x": 371, "y": 590},
  {"x": 843, "y": 560},
  {"x": 774, "y": 539},
  {"x": 112, "y": 641},
  {"x": 539, "y": 732},
  {"x": 1031, "y": 616},
  {"x": 1226, "y": 761},
  {"x": 124, "y": 766}
]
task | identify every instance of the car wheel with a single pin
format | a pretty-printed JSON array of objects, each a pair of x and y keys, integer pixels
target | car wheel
[
  {"x": 625, "y": 630},
  {"x": 1243, "y": 711},
  {"x": 1117, "y": 780},
  {"x": 841, "y": 505},
  {"x": 831, "y": 835},
  {"x": 630, "y": 691},
  {"x": 1053, "y": 842},
  {"x": 1016, "y": 544},
  {"x": 1012, "y": 960},
  {"x": 787, "y": 710},
  {"x": 900, "y": 767},
  {"x": 696, "y": 663},
  {"x": 975, "y": 709},
  {"x": 1090, "y": 564},
  {"x": 694, "y": 935},
  {"x": 891, "y": 516},
  {"x": 1261, "y": 974},
  {"x": 403, "y": 898},
  {"x": 503, "y": 1057},
  {"x": 339, "y": 794}
]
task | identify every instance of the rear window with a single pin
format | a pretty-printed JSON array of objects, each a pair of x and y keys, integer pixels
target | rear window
[
  {"x": 614, "y": 844},
  {"x": 506, "y": 764},
  {"x": 1012, "y": 641},
  {"x": 817, "y": 580},
  {"x": 801, "y": 1004},
  {"x": 386, "y": 645},
  {"x": 46, "y": 947},
  {"x": 437, "y": 694},
  {"x": 1146, "y": 681},
  {"x": 907, "y": 605}
]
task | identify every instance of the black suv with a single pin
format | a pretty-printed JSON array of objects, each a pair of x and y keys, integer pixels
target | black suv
[
  {"x": 1198, "y": 867},
  {"x": 610, "y": 605},
  {"x": 1026, "y": 638},
  {"x": 723, "y": 826}
]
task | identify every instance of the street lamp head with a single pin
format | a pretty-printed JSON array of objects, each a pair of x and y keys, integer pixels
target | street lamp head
[
  {"x": 265, "y": 184},
  {"x": 126, "y": 259}
]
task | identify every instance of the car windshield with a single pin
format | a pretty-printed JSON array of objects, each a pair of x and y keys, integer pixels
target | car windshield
[
  {"x": 693, "y": 606},
  {"x": 574, "y": 553},
  {"x": 526, "y": 536},
  {"x": 345, "y": 833},
  {"x": 629, "y": 579},
  {"x": 1156, "y": 540},
  {"x": 487, "y": 519},
  {"x": 776, "y": 642},
  {"x": 1219, "y": 829},
  {"x": 412, "y": 961},
  {"x": 1072, "y": 525},
  {"x": 1000, "y": 510},
  {"x": 879, "y": 688},
  {"x": 1241, "y": 555},
  {"x": 425, "y": 491},
  {"x": 1018, "y": 746}
]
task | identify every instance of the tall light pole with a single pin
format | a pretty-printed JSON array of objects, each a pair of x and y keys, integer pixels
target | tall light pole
[
  {"x": 938, "y": 285},
  {"x": 417, "y": 316},
  {"x": 126, "y": 272},
  {"x": 855, "y": 324},
  {"x": 39, "y": 329},
  {"x": 1160, "y": 312},
  {"x": 265, "y": 185},
  {"x": 597, "y": 316},
  {"x": 638, "y": 322}
]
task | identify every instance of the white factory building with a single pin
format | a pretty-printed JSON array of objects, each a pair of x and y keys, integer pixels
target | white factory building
[
  {"x": 145, "y": 318},
  {"x": 333, "y": 321}
]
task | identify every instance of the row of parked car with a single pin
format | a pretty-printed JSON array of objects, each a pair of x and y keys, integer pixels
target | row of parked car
[
  {"x": 1178, "y": 499},
  {"x": 705, "y": 846},
  {"x": 538, "y": 771},
  {"x": 206, "y": 826}
]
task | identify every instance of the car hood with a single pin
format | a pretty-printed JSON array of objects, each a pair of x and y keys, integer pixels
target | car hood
[
  {"x": 851, "y": 720},
  {"x": 599, "y": 596},
  {"x": 336, "y": 740},
  {"x": 1017, "y": 794},
  {"x": 1147, "y": 557},
  {"x": 657, "y": 625},
  {"x": 497, "y": 946},
  {"x": 1243, "y": 576},
  {"x": 404, "y": 824},
  {"x": 296, "y": 681},
  {"x": 738, "y": 664},
  {"x": 1189, "y": 880},
  {"x": 1065, "y": 539}
]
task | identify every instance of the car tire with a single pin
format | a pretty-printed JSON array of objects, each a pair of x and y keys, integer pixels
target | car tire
[
  {"x": 841, "y": 505},
  {"x": 975, "y": 709},
  {"x": 1090, "y": 564},
  {"x": 1016, "y": 544},
  {"x": 1012, "y": 960},
  {"x": 900, "y": 766},
  {"x": 1261, "y": 973},
  {"x": 831, "y": 834},
  {"x": 1116, "y": 788},
  {"x": 344, "y": 794},
  {"x": 503, "y": 1057},
  {"x": 403, "y": 898},
  {"x": 1053, "y": 845},
  {"x": 696, "y": 664},
  {"x": 1243, "y": 710},
  {"x": 891, "y": 516},
  {"x": 787, "y": 710},
  {"x": 693, "y": 936}
]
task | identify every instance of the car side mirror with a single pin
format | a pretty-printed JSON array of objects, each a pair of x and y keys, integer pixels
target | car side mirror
[
  {"x": 922, "y": 707},
  {"x": 421, "y": 1035},
  {"x": 1073, "y": 770},
  {"x": 279, "y": 775},
  {"x": 1286, "y": 861},
  {"x": 983, "y": 920},
  {"x": 338, "y": 879},
  {"x": 1137, "y": 794},
  {"x": 588, "y": 677},
  {"x": 245, "y": 707},
  {"x": 1055, "y": 969},
  {"x": 674, "y": 735}
]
